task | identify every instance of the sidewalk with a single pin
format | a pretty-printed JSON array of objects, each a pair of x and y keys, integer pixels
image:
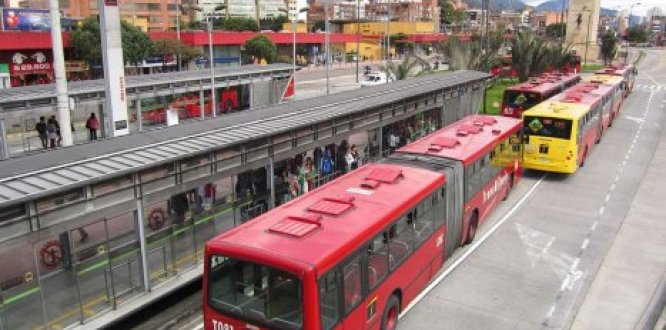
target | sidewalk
[{"x": 629, "y": 289}]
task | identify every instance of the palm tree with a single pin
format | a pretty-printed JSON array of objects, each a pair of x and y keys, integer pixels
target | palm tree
[
  {"x": 412, "y": 66},
  {"x": 468, "y": 55},
  {"x": 530, "y": 54}
]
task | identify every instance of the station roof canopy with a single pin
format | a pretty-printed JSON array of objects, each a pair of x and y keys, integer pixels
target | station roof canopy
[
  {"x": 28, "y": 93},
  {"x": 46, "y": 173}
]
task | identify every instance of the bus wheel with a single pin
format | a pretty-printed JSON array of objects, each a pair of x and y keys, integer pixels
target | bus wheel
[
  {"x": 612, "y": 118},
  {"x": 471, "y": 229},
  {"x": 391, "y": 312}
]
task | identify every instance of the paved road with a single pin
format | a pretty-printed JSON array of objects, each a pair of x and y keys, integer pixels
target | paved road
[{"x": 544, "y": 246}]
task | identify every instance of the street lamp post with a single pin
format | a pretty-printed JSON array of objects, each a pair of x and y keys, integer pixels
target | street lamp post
[
  {"x": 327, "y": 45},
  {"x": 587, "y": 36},
  {"x": 358, "y": 35},
  {"x": 293, "y": 31},
  {"x": 177, "y": 31},
  {"x": 388, "y": 42},
  {"x": 211, "y": 59},
  {"x": 626, "y": 44}
]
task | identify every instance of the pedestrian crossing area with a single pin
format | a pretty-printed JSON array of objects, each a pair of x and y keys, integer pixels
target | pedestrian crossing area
[{"x": 650, "y": 87}]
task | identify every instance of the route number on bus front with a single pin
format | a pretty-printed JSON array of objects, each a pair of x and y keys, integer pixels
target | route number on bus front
[{"x": 219, "y": 325}]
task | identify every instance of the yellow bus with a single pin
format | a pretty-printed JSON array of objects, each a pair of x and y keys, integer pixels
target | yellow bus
[{"x": 559, "y": 134}]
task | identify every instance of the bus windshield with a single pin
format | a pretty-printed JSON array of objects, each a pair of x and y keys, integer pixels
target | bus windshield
[
  {"x": 525, "y": 100},
  {"x": 253, "y": 291},
  {"x": 548, "y": 127}
]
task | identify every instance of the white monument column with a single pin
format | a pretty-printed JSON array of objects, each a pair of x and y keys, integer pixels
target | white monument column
[
  {"x": 582, "y": 24},
  {"x": 114, "y": 67}
]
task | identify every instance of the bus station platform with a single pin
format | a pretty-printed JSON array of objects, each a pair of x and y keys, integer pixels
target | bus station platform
[{"x": 629, "y": 289}]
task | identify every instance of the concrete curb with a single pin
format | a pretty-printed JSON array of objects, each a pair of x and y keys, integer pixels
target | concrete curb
[{"x": 654, "y": 308}]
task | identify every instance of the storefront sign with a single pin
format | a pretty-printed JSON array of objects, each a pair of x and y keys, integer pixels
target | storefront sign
[
  {"x": 36, "y": 63},
  {"x": 76, "y": 66},
  {"x": 19, "y": 19}
]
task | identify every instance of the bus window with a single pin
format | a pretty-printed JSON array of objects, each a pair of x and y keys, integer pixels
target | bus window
[
  {"x": 263, "y": 293},
  {"x": 423, "y": 225},
  {"x": 400, "y": 244},
  {"x": 351, "y": 276},
  {"x": 377, "y": 260},
  {"x": 328, "y": 300},
  {"x": 548, "y": 127},
  {"x": 521, "y": 99}
]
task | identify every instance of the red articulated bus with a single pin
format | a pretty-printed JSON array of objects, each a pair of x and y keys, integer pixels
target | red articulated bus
[
  {"x": 626, "y": 71},
  {"x": 351, "y": 254},
  {"x": 189, "y": 106},
  {"x": 483, "y": 156},
  {"x": 523, "y": 96},
  {"x": 604, "y": 100}
]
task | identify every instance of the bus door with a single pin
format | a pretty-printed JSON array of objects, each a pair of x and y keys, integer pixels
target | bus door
[{"x": 454, "y": 206}]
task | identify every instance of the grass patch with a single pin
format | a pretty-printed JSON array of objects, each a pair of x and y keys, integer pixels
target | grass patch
[
  {"x": 592, "y": 67},
  {"x": 494, "y": 92}
]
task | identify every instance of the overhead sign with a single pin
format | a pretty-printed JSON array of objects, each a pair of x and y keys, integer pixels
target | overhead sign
[{"x": 20, "y": 19}]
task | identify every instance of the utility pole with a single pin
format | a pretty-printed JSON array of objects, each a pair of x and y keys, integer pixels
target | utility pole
[
  {"x": 60, "y": 77},
  {"x": 358, "y": 35},
  {"x": 327, "y": 45}
]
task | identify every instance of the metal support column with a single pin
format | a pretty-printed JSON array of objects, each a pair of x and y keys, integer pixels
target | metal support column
[
  {"x": 380, "y": 138},
  {"x": 4, "y": 147},
  {"x": 202, "y": 96},
  {"x": 250, "y": 87},
  {"x": 142, "y": 241},
  {"x": 139, "y": 117},
  {"x": 271, "y": 178}
]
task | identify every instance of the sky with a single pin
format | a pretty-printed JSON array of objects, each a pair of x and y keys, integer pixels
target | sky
[{"x": 623, "y": 4}]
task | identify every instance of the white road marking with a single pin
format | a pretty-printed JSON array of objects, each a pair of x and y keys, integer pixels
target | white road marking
[
  {"x": 471, "y": 249},
  {"x": 551, "y": 310},
  {"x": 594, "y": 226},
  {"x": 612, "y": 187},
  {"x": 607, "y": 198},
  {"x": 601, "y": 210},
  {"x": 585, "y": 243}
]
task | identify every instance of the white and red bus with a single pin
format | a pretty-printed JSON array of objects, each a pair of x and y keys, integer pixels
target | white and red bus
[
  {"x": 626, "y": 71},
  {"x": 523, "y": 96},
  {"x": 351, "y": 254}
]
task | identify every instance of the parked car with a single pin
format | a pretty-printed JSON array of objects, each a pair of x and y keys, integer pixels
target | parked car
[{"x": 376, "y": 78}]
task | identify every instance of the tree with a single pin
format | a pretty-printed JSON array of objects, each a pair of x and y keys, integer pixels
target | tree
[
  {"x": 261, "y": 47},
  {"x": 450, "y": 15},
  {"x": 273, "y": 23},
  {"x": 559, "y": 56},
  {"x": 87, "y": 42},
  {"x": 412, "y": 66},
  {"x": 468, "y": 55},
  {"x": 235, "y": 24},
  {"x": 165, "y": 47},
  {"x": 608, "y": 46},
  {"x": 556, "y": 30},
  {"x": 530, "y": 54},
  {"x": 637, "y": 33}
]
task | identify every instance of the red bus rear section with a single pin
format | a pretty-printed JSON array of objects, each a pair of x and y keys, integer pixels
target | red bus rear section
[
  {"x": 627, "y": 71},
  {"x": 523, "y": 96},
  {"x": 352, "y": 253}
]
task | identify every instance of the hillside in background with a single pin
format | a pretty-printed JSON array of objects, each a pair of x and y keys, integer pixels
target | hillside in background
[{"x": 513, "y": 5}]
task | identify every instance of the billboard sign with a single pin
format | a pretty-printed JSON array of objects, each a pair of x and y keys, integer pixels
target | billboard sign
[{"x": 20, "y": 19}]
